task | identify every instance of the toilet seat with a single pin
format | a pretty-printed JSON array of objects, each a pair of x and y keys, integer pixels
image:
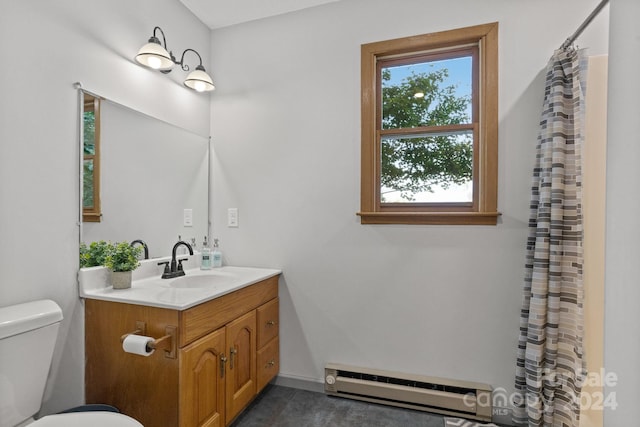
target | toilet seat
[{"x": 84, "y": 419}]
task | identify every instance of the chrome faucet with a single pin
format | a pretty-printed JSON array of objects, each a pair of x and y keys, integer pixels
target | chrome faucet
[
  {"x": 144, "y": 246},
  {"x": 175, "y": 270}
]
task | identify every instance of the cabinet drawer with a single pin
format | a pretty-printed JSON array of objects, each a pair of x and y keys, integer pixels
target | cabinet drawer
[
  {"x": 268, "y": 363},
  {"x": 268, "y": 322},
  {"x": 209, "y": 316}
]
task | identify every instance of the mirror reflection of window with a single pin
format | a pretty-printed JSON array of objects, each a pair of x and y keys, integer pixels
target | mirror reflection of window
[{"x": 91, "y": 160}]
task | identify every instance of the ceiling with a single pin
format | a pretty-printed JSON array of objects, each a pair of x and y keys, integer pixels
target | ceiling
[{"x": 223, "y": 13}]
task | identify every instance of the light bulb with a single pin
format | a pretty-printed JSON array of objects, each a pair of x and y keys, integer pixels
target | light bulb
[
  {"x": 154, "y": 62},
  {"x": 154, "y": 56},
  {"x": 199, "y": 86},
  {"x": 199, "y": 80}
]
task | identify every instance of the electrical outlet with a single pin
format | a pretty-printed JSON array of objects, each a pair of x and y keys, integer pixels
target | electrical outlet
[{"x": 232, "y": 217}]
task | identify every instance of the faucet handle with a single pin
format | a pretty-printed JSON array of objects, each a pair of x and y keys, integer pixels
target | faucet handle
[
  {"x": 180, "y": 268},
  {"x": 167, "y": 270}
]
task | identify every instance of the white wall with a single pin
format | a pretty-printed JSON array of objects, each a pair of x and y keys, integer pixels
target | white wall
[
  {"x": 434, "y": 300},
  {"x": 622, "y": 293},
  {"x": 47, "y": 46}
]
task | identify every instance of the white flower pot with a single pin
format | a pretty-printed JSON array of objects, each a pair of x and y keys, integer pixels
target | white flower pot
[{"x": 121, "y": 279}]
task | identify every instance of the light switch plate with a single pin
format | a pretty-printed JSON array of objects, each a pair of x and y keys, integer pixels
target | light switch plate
[
  {"x": 188, "y": 217},
  {"x": 232, "y": 217}
]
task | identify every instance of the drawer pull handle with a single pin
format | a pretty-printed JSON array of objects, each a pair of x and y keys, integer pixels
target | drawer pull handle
[
  {"x": 223, "y": 360},
  {"x": 270, "y": 363},
  {"x": 271, "y": 323},
  {"x": 232, "y": 352}
]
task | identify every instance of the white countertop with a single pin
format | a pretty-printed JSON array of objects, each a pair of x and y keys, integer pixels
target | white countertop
[{"x": 195, "y": 287}]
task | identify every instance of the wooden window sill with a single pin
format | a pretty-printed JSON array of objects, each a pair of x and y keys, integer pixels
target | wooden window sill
[
  {"x": 426, "y": 218},
  {"x": 91, "y": 217}
]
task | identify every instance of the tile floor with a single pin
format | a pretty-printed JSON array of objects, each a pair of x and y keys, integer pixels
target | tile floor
[{"x": 279, "y": 406}]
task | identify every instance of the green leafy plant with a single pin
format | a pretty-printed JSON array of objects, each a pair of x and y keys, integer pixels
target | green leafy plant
[
  {"x": 123, "y": 257},
  {"x": 95, "y": 254}
]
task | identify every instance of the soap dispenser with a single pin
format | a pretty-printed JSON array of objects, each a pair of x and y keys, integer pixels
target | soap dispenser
[
  {"x": 216, "y": 254},
  {"x": 205, "y": 263}
]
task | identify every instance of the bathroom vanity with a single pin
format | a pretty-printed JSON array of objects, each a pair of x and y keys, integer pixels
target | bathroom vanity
[{"x": 217, "y": 346}]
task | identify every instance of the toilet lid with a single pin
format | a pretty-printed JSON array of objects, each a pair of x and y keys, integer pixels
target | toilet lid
[{"x": 84, "y": 419}]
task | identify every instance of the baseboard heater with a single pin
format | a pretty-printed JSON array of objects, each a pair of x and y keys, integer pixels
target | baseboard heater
[{"x": 448, "y": 397}]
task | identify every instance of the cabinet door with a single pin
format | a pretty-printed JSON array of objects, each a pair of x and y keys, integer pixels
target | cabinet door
[
  {"x": 202, "y": 382},
  {"x": 241, "y": 368}
]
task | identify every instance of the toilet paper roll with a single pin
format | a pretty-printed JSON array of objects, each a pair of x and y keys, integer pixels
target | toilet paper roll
[{"x": 138, "y": 344}]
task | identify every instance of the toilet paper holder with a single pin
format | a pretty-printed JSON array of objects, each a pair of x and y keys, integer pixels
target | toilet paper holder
[{"x": 168, "y": 342}]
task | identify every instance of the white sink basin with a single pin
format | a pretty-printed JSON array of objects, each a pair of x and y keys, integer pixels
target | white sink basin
[{"x": 204, "y": 280}]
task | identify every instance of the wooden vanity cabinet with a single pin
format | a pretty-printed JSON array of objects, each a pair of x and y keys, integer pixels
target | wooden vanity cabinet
[{"x": 226, "y": 352}]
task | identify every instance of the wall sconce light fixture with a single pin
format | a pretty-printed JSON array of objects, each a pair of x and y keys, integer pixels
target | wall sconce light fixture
[{"x": 154, "y": 55}]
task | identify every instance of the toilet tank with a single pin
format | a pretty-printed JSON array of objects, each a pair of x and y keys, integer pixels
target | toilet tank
[{"x": 28, "y": 335}]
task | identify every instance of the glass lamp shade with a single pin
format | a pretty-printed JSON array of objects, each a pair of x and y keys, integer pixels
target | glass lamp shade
[
  {"x": 199, "y": 80},
  {"x": 153, "y": 55}
]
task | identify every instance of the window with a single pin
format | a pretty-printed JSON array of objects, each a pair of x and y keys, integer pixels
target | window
[
  {"x": 430, "y": 128},
  {"x": 91, "y": 160}
]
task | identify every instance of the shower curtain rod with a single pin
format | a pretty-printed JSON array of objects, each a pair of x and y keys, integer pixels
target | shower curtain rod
[{"x": 568, "y": 42}]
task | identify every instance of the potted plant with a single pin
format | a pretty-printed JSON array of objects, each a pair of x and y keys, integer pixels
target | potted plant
[
  {"x": 95, "y": 254},
  {"x": 122, "y": 259}
]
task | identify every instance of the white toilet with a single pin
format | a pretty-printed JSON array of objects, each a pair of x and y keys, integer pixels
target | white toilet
[{"x": 28, "y": 334}]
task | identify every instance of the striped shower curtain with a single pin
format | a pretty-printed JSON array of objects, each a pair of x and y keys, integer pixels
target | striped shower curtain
[{"x": 549, "y": 369}]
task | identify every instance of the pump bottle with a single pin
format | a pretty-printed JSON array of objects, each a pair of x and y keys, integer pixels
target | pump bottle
[
  {"x": 216, "y": 255},
  {"x": 205, "y": 262}
]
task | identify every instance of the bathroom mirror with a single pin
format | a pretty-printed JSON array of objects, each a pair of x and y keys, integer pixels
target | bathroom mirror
[{"x": 153, "y": 179}]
